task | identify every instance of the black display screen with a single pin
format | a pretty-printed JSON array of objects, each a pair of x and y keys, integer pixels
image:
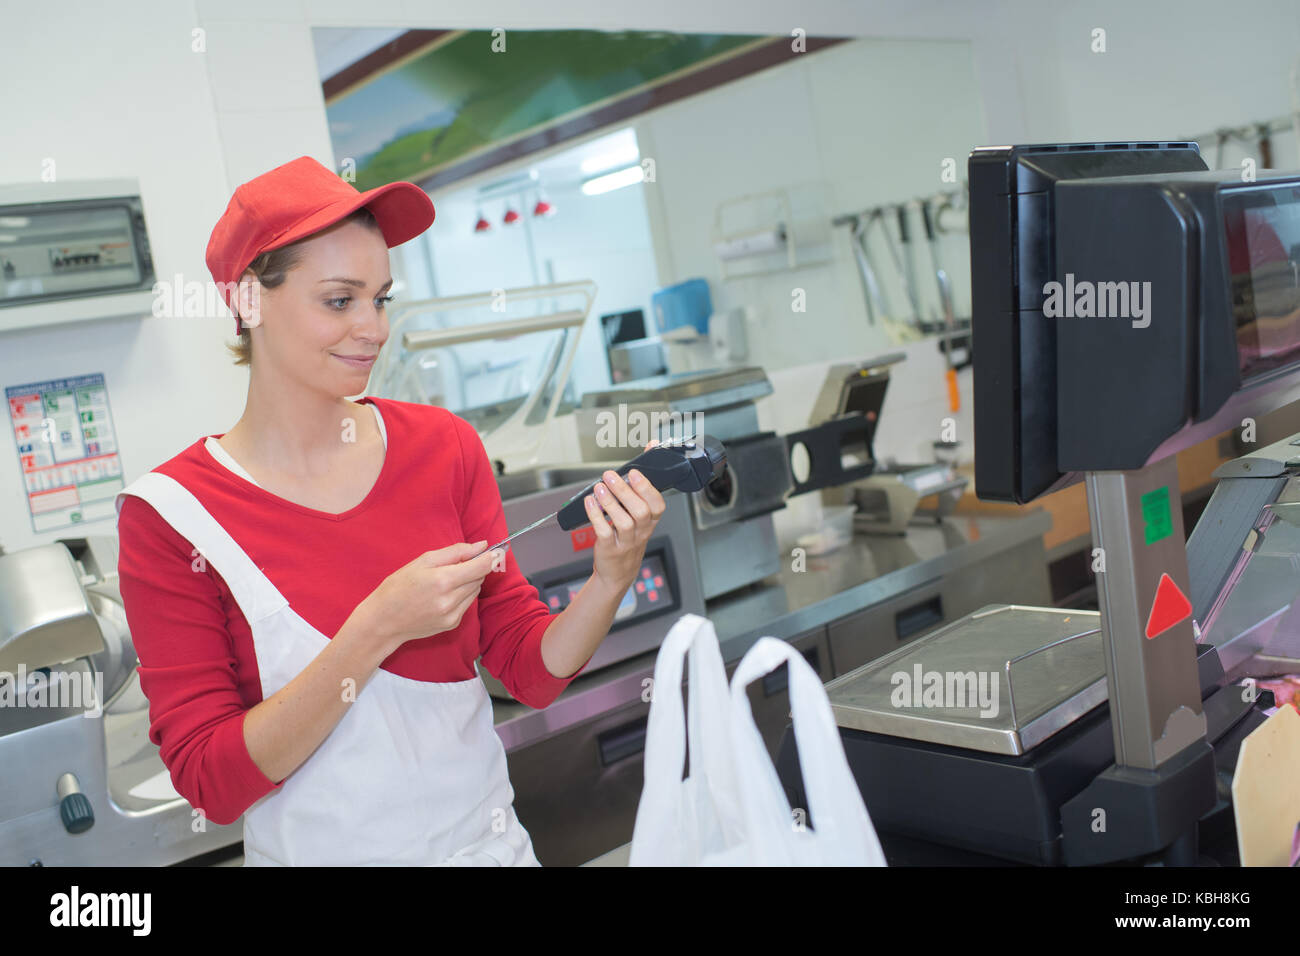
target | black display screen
[
  {"x": 1262, "y": 228},
  {"x": 623, "y": 327}
]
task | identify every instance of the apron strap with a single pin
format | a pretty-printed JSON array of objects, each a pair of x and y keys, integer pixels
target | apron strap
[{"x": 257, "y": 597}]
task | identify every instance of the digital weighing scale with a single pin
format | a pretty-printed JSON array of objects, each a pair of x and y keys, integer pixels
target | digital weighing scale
[{"x": 1116, "y": 732}]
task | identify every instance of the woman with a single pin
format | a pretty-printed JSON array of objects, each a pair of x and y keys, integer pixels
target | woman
[{"x": 309, "y": 591}]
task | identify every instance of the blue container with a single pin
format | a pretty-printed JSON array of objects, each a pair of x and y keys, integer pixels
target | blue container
[{"x": 687, "y": 303}]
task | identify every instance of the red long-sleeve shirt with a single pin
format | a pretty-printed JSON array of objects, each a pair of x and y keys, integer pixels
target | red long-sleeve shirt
[{"x": 198, "y": 666}]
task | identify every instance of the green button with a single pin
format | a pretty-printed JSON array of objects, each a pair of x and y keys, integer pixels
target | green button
[{"x": 1155, "y": 513}]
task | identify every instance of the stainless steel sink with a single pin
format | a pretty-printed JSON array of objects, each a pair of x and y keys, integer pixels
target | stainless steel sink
[{"x": 552, "y": 476}]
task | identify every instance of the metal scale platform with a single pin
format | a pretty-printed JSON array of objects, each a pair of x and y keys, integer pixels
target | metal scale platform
[{"x": 1058, "y": 682}]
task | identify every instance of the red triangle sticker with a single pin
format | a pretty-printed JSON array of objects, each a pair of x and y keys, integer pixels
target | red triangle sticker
[{"x": 1169, "y": 608}]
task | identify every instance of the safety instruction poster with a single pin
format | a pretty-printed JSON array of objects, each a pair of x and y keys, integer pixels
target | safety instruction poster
[{"x": 67, "y": 450}]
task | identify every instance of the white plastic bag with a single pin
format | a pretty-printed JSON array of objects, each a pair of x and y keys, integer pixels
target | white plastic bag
[
  {"x": 844, "y": 835},
  {"x": 685, "y": 822},
  {"x": 732, "y": 810}
]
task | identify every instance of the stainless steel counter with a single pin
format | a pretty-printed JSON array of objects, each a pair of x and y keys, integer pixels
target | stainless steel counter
[{"x": 867, "y": 571}]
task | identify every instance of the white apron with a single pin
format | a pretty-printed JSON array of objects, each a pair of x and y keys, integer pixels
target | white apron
[{"x": 413, "y": 774}]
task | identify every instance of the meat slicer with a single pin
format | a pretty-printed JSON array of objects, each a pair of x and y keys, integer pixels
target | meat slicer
[{"x": 82, "y": 784}]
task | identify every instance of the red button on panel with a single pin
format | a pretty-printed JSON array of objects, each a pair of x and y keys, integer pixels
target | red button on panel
[
  {"x": 640, "y": 587},
  {"x": 659, "y": 580},
  {"x": 653, "y": 595},
  {"x": 645, "y": 572}
]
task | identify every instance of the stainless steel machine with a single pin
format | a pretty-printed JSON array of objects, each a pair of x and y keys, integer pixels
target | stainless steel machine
[
  {"x": 1128, "y": 304},
  {"x": 735, "y": 538},
  {"x": 82, "y": 782},
  {"x": 889, "y": 498}
]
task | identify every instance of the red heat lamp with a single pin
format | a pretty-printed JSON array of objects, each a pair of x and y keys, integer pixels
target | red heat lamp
[{"x": 542, "y": 208}]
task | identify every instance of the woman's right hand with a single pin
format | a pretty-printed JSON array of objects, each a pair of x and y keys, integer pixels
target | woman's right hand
[{"x": 429, "y": 595}]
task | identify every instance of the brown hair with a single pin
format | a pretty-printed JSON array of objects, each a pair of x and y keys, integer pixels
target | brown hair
[{"x": 272, "y": 267}]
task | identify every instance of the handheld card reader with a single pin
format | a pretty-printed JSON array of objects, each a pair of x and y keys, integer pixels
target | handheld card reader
[{"x": 685, "y": 465}]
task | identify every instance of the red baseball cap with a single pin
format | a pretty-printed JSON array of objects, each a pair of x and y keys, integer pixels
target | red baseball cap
[{"x": 293, "y": 201}]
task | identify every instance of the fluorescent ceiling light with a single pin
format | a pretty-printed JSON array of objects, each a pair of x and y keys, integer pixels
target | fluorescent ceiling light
[
  {"x": 610, "y": 159},
  {"x": 614, "y": 180}
]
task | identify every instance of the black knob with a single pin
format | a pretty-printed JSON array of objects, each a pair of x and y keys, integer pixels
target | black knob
[
  {"x": 74, "y": 806},
  {"x": 77, "y": 813}
]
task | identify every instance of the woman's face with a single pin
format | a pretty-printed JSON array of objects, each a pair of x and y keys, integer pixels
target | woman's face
[{"x": 324, "y": 325}]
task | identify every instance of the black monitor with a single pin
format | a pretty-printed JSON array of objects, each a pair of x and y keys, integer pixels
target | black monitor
[
  {"x": 1127, "y": 303},
  {"x": 620, "y": 327}
]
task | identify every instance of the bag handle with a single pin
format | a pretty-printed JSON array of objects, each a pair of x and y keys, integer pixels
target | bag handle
[
  {"x": 707, "y": 731},
  {"x": 666, "y": 736},
  {"x": 835, "y": 803}
]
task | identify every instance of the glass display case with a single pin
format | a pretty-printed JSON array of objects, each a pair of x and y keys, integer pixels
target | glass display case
[{"x": 500, "y": 359}]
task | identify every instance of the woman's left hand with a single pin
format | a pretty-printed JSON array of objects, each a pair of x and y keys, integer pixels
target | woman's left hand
[{"x": 634, "y": 508}]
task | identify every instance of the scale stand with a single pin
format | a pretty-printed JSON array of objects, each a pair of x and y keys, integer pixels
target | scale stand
[{"x": 1163, "y": 779}]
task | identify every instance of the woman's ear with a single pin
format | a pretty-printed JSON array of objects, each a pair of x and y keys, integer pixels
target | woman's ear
[{"x": 249, "y": 299}]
